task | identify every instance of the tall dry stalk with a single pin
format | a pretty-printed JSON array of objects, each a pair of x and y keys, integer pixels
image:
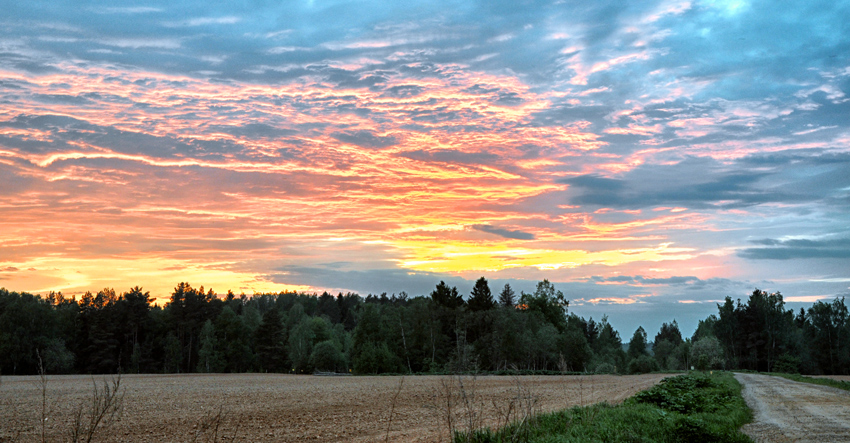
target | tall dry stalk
[
  {"x": 446, "y": 404},
  {"x": 518, "y": 411},
  {"x": 463, "y": 409},
  {"x": 42, "y": 378},
  {"x": 473, "y": 407},
  {"x": 457, "y": 406},
  {"x": 209, "y": 426},
  {"x": 528, "y": 402},
  {"x": 104, "y": 408}
]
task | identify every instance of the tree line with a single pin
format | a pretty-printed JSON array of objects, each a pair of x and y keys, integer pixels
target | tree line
[{"x": 200, "y": 331}]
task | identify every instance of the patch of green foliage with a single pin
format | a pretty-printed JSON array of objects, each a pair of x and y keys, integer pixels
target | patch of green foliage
[
  {"x": 687, "y": 408},
  {"x": 815, "y": 381},
  {"x": 687, "y": 394}
]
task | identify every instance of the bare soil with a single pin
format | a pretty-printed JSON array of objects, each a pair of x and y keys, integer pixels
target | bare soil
[
  {"x": 789, "y": 411},
  {"x": 295, "y": 408}
]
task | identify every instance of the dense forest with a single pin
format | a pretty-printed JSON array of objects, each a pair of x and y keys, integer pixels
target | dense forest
[{"x": 199, "y": 331}]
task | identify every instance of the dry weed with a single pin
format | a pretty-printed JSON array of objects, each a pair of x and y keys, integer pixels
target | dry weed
[
  {"x": 392, "y": 409},
  {"x": 104, "y": 408},
  {"x": 208, "y": 427}
]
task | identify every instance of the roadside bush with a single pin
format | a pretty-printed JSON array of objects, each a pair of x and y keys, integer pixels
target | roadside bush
[
  {"x": 642, "y": 365},
  {"x": 686, "y": 394},
  {"x": 689, "y": 429}
]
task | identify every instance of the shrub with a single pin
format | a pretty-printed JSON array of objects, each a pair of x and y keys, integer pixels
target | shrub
[
  {"x": 326, "y": 357},
  {"x": 642, "y": 365},
  {"x": 685, "y": 394},
  {"x": 787, "y": 364},
  {"x": 707, "y": 354},
  {"x": 605, "y": 368},
  {"x": 374, "y": 359}
]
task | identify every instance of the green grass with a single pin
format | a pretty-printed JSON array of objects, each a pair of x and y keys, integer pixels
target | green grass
[
  {"x": 687, "y": 408},
  {"x": 815, "y": 381}
]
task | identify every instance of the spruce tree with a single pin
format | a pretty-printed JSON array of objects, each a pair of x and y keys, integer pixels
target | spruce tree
[
  {"x": 481, "y": 299},
  {"x": 507, "y": 298}
]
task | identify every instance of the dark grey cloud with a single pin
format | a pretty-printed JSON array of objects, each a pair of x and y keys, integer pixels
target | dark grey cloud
[
  {"x": 66, "y": 131},
  {"x": 45, "y": 121},
  {"x": 479, "y": 89},
  {"x": 733, "y": 189},
  {"x": 501, "y": 232},
  {"x": 508, "y": 99},
  {"x": 365, "y": 139},
  {"x": 403, "y": 91},
  {"x": 253, "y": 130},
  {"x": 61, "y": 99},
  {"x": 351, "y": 79},
  {"x": 773, "y": 249},
  {"x": 794, "y": 178},
  {"x": 564, "y": 114}
]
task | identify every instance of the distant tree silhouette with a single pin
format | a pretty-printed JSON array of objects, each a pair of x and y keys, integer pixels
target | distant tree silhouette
[
  {"x": 447, "y": 297},
  {"x": 507, "y": 298},
  {"x": 481, "y": 299},
  {"x": 328, "y": 307},
  {"x": 210, "y": 358},
  {"x": 199, "y": 331},
  {"x": 270, "y": 342},
  {"x": 548, "y": 301},
  {"x": 664, "y": 346},
  {"x": 638, "y": 344}
]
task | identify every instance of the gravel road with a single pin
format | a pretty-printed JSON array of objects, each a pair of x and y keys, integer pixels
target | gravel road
[{"x": 789, "y": 411}]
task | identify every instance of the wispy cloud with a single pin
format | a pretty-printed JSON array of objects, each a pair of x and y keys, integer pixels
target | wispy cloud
[
  {"x": 126, "y": 10},
  {"x": 202, "y": 21}
]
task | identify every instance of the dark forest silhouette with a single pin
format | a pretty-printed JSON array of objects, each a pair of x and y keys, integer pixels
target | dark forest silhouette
[{"x": 199, "y": 331}]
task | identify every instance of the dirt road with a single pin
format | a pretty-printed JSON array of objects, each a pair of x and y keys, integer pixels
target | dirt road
[
  {"x": 292, "y": 408},
  {"x": 789, "y": 411}
]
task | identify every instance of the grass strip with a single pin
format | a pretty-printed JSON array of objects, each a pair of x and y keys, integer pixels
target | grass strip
[
  {"x": 695, "y": 407},
  {"x": 815, "y": 381}
]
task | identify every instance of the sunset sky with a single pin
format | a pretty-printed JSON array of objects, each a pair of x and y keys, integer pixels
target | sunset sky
[{"x": 648, "y": 157}]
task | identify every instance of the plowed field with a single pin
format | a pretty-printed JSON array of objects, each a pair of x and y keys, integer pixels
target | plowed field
[{"x": 293, "y": 408}]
